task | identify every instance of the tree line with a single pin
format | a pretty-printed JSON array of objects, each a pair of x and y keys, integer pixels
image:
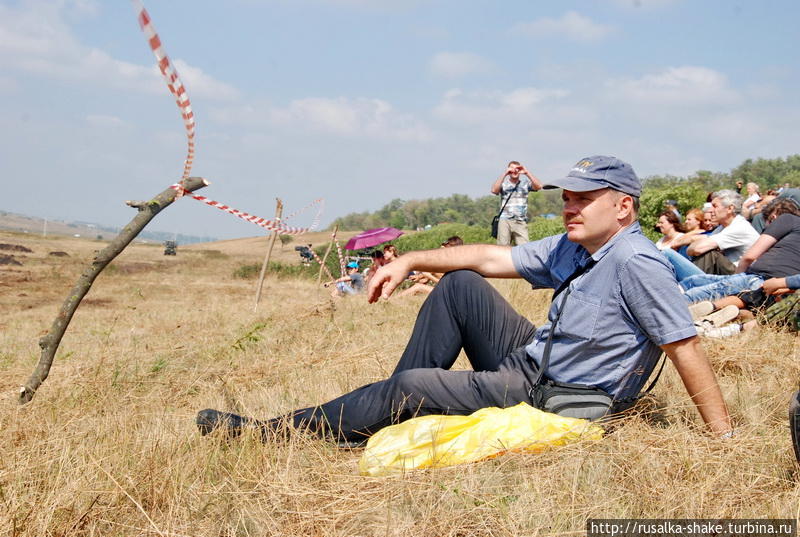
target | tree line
[{"x": 461, "y": 209}]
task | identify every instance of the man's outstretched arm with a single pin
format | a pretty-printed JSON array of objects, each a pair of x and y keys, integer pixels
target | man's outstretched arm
[
  {"x": 695, "y": 371},
  {"x": 488, "y": 260}
]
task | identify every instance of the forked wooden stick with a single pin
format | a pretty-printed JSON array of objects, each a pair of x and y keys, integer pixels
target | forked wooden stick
[{"x": 50, "y": 341}]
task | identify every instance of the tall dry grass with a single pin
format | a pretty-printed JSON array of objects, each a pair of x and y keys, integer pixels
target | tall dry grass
[{"x": 108, "y": 445}]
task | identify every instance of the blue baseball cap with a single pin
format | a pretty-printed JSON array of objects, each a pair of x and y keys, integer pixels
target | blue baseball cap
[
  {"x": 599, "y": 171},
  {"x": 352, "y": 264}
]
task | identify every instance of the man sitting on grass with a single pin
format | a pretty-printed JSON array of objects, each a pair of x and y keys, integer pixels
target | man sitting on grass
[{"x": 616, "y": 306}]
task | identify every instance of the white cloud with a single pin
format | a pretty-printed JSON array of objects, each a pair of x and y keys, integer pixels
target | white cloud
[
  {"x": 353, "y": 117},
  {"x": 35, "y": 39},
  {"x": 571, "y": 25},
  {"x": 458, "y": 64},
  {"x": 100, "y": 120},
  {"x": 200, "y": 84},
  {"x": 686, "y": 85},
  {"x": 490, "y": 106}
]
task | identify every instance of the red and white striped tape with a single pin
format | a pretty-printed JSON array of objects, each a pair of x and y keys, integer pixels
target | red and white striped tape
[
  {"x": 321, "y": 264},
  {"x": 173, "y": 82},
  {"x": 339, "y": 253},
  {"x": 182, "y": 99},
  {"x": 259, "y": 221}
]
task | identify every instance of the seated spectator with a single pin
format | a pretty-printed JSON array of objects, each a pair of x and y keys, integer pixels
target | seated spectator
[
  {"x": 775, "y": 254},
  {"x": 670, "y": 227},
  {"x": 350, "y": 284},
  {"x": 390, "y": 253},
  {"x": 693, "y": 225},
  {"x": 709, "y": 219},
  {"x": 424, "y": 281},
  {"x": 719, "y": 252},
  {"x": 753, "y": 197},
  {"x": 377, "y": 262}
]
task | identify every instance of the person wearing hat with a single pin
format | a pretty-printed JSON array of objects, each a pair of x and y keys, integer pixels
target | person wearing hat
[
  {"x": 616, "y": 307},
  {"x": 349, "y": 284}
]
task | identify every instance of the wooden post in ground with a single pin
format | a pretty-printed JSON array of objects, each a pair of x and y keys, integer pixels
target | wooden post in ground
[
  {"x": 278, "y": 213},
  {"x": 325, "y": 257},
  {"x": 50, "y": 342}
]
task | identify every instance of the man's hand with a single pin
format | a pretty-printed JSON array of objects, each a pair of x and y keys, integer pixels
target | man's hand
[
  {"x": 487, "y": 260},
  {"x": 776, "y": 286},
  {"x": 387, "y": 278}
]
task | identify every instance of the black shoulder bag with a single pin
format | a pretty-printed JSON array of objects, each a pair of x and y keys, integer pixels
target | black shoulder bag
[
  {"x": 496, "y": 219},
  {"x": 571, "y": 399}
]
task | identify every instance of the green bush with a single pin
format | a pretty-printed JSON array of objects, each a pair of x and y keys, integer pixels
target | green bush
[
  {"x": 688, "y": 196},
  {"x": 434, "y": 237},
  {"x": 247, "y": 272},
  {"x": 539, "y": 228}
]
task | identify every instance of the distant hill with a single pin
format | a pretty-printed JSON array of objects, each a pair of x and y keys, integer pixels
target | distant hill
[{"x": 32, "y": 224}]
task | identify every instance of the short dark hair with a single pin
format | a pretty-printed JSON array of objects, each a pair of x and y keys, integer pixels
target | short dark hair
[
  {"x": 455, "y": 240},
  {"x": 780, "y": 206}
]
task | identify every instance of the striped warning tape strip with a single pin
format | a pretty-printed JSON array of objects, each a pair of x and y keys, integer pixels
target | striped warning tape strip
[
  {"x": 259, "y": 221},
  {"x": 339, "y": 253},
  {"x": 173, "y": 82},
  {"x": 182, "y": 99},
  {"x": 321, "y": 264}
]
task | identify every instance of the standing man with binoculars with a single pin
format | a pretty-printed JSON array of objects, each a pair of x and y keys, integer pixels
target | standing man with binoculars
[{"x": 512, "y": 224}]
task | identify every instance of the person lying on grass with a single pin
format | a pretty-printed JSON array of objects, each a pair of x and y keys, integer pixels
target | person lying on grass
[{"x": 616, "y": 307}]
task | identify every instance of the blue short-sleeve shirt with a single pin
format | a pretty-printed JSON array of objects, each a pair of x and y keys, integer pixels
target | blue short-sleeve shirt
[{"x": 616, "y": 315}]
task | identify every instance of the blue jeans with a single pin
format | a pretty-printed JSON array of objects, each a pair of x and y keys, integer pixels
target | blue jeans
[
  {"x": 712, "y": 286},
  {"x": 683, "y": 267},
  {"x": 345, "y": 288}
]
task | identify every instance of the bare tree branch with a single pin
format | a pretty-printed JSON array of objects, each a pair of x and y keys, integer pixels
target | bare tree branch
[{"x": 50, "y": 342}]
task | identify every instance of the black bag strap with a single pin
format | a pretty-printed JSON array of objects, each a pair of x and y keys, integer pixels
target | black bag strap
[
  {"x": 549, "y": 343},
  {"x": 503, "y": 208}
]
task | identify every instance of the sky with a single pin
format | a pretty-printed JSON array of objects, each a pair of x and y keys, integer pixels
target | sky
[{"x": 363, "y": 101}]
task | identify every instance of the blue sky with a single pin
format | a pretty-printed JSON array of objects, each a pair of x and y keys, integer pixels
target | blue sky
[{"x": 360, "y": 102}]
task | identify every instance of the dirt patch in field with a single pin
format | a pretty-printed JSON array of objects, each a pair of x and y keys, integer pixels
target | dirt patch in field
[
  {"x": 10, "y": 278},
  {"x": 132, "y": 268},
  {"x": 14, "y": 248},
  {"x": 58, "y": 254},
  {"x": 6, "y": 259},
  {"x": 97, "y": 302}
]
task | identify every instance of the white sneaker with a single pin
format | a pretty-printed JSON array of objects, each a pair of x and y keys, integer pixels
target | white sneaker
[
  {"x": 722, "y": 316},
  {"x": 705, "y": 328}
]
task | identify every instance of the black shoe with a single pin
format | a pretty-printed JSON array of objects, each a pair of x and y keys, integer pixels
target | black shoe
[
  {"x": 794, "y": 423},
  {"x": 209, "y": 420}
]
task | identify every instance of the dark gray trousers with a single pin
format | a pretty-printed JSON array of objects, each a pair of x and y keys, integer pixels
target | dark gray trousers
[{"x": 463, "y": 311}]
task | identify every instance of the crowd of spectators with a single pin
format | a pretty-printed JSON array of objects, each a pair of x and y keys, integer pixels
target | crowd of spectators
[{"x": 737, "y": 260}]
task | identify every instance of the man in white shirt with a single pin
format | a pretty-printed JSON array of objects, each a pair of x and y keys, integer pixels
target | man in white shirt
[
  {"x": 718, "y": 253},
  {"x": 736, "y": 234}
]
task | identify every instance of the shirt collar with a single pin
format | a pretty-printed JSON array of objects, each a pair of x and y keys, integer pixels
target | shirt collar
[{"x": 631, "y": 229}]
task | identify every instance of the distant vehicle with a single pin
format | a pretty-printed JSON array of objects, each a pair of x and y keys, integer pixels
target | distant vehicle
[
  {"x": 170, "y": 248},
  {"x": 305, "y": 254}
]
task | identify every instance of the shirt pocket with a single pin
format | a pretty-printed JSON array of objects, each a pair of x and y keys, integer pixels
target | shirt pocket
[{"x": 579, "y": 319}]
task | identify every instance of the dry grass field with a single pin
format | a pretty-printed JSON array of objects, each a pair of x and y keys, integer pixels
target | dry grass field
[{"x": 108, "y": 446}]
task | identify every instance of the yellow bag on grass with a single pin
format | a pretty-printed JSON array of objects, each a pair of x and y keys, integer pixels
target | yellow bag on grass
[{"x": 437, "y": 441}]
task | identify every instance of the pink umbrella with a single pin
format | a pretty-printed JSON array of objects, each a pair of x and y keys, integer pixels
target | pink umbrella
[{"x": 371, "y": 237}]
